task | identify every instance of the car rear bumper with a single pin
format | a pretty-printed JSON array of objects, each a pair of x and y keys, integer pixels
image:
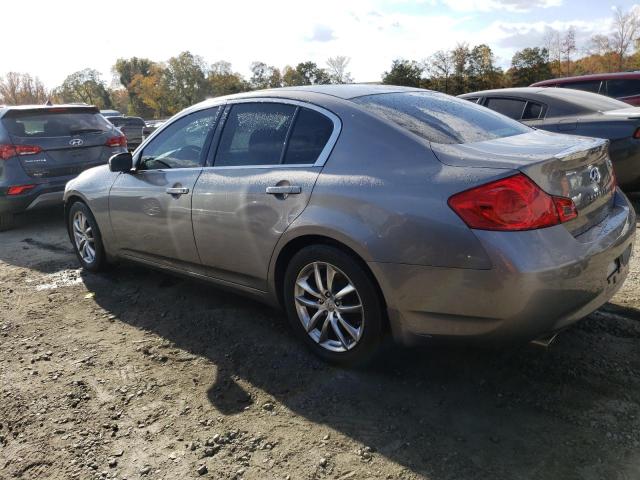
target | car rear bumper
[
  {"x": 541, "y": 281},
  {"x": 43, "y": 195}
]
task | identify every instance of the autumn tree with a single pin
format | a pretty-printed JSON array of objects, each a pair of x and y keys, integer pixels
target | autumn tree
[
  {"x": 185, "y": 80},
  {"x": 128, "y": 69},
  {"x": 223, "y": 81},
  {"x": 626, "y": 27},
  {"x": 22, "y": 89}
]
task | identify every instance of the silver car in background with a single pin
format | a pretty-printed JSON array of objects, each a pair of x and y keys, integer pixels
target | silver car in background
[{"x": 365, "y": 209}]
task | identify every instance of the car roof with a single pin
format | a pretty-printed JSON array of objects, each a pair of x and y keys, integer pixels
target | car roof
[{"x": 594, "y": 76}]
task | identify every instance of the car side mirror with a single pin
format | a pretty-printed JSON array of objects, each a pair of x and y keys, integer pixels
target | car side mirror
[{"x": 121, "y": 162}]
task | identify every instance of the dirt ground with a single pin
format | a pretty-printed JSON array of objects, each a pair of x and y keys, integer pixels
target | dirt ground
[{"x": 135, "y": 374}]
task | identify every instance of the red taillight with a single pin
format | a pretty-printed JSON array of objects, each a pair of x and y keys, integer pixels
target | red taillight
[
  {"x": 636, "y": 134},
  {"x": 119, "y": 141},
  {"x": 7, "y": 151},
  {"x": 18, "y": 189},
  {"x": 512, "y": 203}
]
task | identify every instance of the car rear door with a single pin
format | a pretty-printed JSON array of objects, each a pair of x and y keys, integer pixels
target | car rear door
[
  {"x": 259, "y": 180},
  {"x": 62, "y": 141},
  {"x": 150, "y": 208}
]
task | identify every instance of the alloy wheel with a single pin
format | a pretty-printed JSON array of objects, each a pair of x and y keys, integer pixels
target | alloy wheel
[
  {"x": 83, "y": 237},
  {"x": 329, "y": 307}
]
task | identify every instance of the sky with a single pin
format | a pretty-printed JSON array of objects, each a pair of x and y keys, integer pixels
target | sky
[{"x": 51, "y": 39}]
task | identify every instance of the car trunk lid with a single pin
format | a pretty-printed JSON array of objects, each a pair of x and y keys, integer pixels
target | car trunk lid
[{"x": 567, "y": 166}]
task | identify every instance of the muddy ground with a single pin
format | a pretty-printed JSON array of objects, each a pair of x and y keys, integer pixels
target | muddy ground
[{"x": 135, "y": 374}]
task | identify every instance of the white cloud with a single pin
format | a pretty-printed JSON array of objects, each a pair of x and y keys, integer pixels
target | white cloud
[{"x": 508, "y": 5}]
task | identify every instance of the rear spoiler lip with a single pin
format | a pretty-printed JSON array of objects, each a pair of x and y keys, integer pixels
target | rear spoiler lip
[
  {"x": 17, "y": 112},
  {"x": 587, "y": 146}
]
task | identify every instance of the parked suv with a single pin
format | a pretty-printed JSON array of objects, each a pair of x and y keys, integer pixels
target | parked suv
[
  {"x": 623, "y": 86},
  {"x": 131, "y": 127},
  {"x": 42, "y": 147}
]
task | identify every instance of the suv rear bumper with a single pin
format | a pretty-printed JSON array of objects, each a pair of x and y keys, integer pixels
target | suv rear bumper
[
  {"x": 541, "y": 281},
  {"x": 42, "y": 195}
]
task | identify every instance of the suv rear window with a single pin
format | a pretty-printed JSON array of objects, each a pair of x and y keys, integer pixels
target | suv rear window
[
  {"x": 36, "y": 124},
  {"x": 440, "y": 118}
]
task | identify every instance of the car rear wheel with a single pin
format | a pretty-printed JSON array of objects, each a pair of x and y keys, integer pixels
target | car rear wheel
[
  {"x": 86, "y": 238},
  {"x": 334, "y": 305},
  {"x": 7, "y": 221}
]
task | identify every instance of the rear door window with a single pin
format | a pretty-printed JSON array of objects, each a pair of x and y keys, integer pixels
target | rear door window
[
  {"x": 441, "y": 118},
  {"x": 510, "y": 107},
  {"x": 623, "y": 88},
  {"x": 311, "y": 132},
  {"x": 586, "y": 86},
  {"x": 62, "y": 123},
  {"x": 254, "y": 134}
]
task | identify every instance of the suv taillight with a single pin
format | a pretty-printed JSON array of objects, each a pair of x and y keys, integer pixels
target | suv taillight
[
  {"x": 7, "y": 150},
  {"x": 511, "y": 204},
  {"x": 119, "y": 141}
]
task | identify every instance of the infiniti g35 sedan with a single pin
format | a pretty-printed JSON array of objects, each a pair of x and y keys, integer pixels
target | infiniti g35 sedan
[{"x": 365, "y": 211}]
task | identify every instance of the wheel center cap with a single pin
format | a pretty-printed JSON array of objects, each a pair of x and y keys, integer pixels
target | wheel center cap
[{"x": 331, "y": 305}]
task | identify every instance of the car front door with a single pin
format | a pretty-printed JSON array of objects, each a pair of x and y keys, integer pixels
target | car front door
[
  {"x": 150, "y": 208},
  {"x": 260, "y": 179}
]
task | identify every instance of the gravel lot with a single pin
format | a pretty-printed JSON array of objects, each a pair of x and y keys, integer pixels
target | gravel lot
[{"x": 137, "y": 374}]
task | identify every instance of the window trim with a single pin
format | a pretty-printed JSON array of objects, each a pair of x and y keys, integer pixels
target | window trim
[
  {"x": 543, "y": 110},
  {"x": 320, "y": 161}
]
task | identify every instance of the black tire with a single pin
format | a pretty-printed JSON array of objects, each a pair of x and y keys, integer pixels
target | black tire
[
  {"x": 372, "y": 312},
  {"x": 99, "y": 262},
  {"x": 7, "y": 221}
]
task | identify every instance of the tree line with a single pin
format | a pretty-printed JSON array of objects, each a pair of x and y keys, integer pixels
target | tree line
[{"x": 151, "y": 89}]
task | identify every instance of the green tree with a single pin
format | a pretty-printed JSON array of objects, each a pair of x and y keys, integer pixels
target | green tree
[
  {"x": 223, "y": 81},
  {"x": 264, "y": 76},
  {"x": 406, "y": 73},
  {"x": 482, "y": 73},
  {"x": 128, "y": 69},
  {"x": 185, "y": 81},
  {"x": 85, "y": 86},
  {"x": 530, "y": 65}
]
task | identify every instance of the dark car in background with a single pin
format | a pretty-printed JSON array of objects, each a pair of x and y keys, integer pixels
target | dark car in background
[
  {"x": 43, "y": 147},
  {"x": 111, "y": 113},
  {"x": 575, "y": 112},
  {"x": 622, "y": 86},
  {"x": 132, "y": 127},
  {"x": 151, "y": 126}
]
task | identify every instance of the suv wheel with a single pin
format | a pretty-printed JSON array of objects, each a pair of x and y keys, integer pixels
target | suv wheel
[
  {"x": 334, "y": 305},
  {"x": 86, "y": 238}
]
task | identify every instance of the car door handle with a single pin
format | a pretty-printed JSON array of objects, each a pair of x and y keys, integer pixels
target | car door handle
[
  {"x": 284, "y": 190},
  {"x": 177, "y": 191}
]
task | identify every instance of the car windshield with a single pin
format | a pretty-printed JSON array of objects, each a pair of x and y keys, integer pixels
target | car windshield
[
  {"x": 441, "y": 118},
  {"x": 54, "y": 124}
]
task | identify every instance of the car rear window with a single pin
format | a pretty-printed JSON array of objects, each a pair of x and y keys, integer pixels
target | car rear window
[
  {"x": 37, "y": 124},
  {"x": 623, "y": 88},
  {"x": 441, "y": 118}
]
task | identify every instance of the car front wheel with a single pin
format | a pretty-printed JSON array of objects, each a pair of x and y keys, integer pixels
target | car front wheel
[
  {"x": 86, "y": 238},
  {"x": 334, "y": 305}
]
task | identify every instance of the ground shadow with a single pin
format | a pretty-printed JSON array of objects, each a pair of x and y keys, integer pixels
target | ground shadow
[{"x": 523, "y": 413}]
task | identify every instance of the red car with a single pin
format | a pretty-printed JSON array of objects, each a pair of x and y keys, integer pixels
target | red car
[{"x": 623, "y": 86}]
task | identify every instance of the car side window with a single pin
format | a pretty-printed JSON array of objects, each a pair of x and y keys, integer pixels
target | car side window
[
  {"x": 181, "y": 144},
  {"x": 532, "y": 111},
  {"x": 623, "y": 88},
  {"x": 254, "y": 134},
  {"x": 311, "y": 132},
  {"x": 587, "y": 86},
  {"x": 511, "y": 107}
]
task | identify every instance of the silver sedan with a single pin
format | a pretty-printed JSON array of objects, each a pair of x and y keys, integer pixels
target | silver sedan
[{"x": 365, "y": 210}]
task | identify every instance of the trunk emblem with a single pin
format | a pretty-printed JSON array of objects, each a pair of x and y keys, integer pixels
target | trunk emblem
[
  {"x": 76, "y": 142},
  {"x": 594, "y": 175}
]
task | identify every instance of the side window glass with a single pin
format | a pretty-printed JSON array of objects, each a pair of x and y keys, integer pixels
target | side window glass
[
  {"x": 532, "y": 111},
  {"x": 311, "y": 133},
  {"x": 623, "y": 88},
  {"x": 510, "y": 107},
  {"x": 180, "y": 145},
  {"x": 254, "y": 134},
  {"x": 592, "y": 86}
]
